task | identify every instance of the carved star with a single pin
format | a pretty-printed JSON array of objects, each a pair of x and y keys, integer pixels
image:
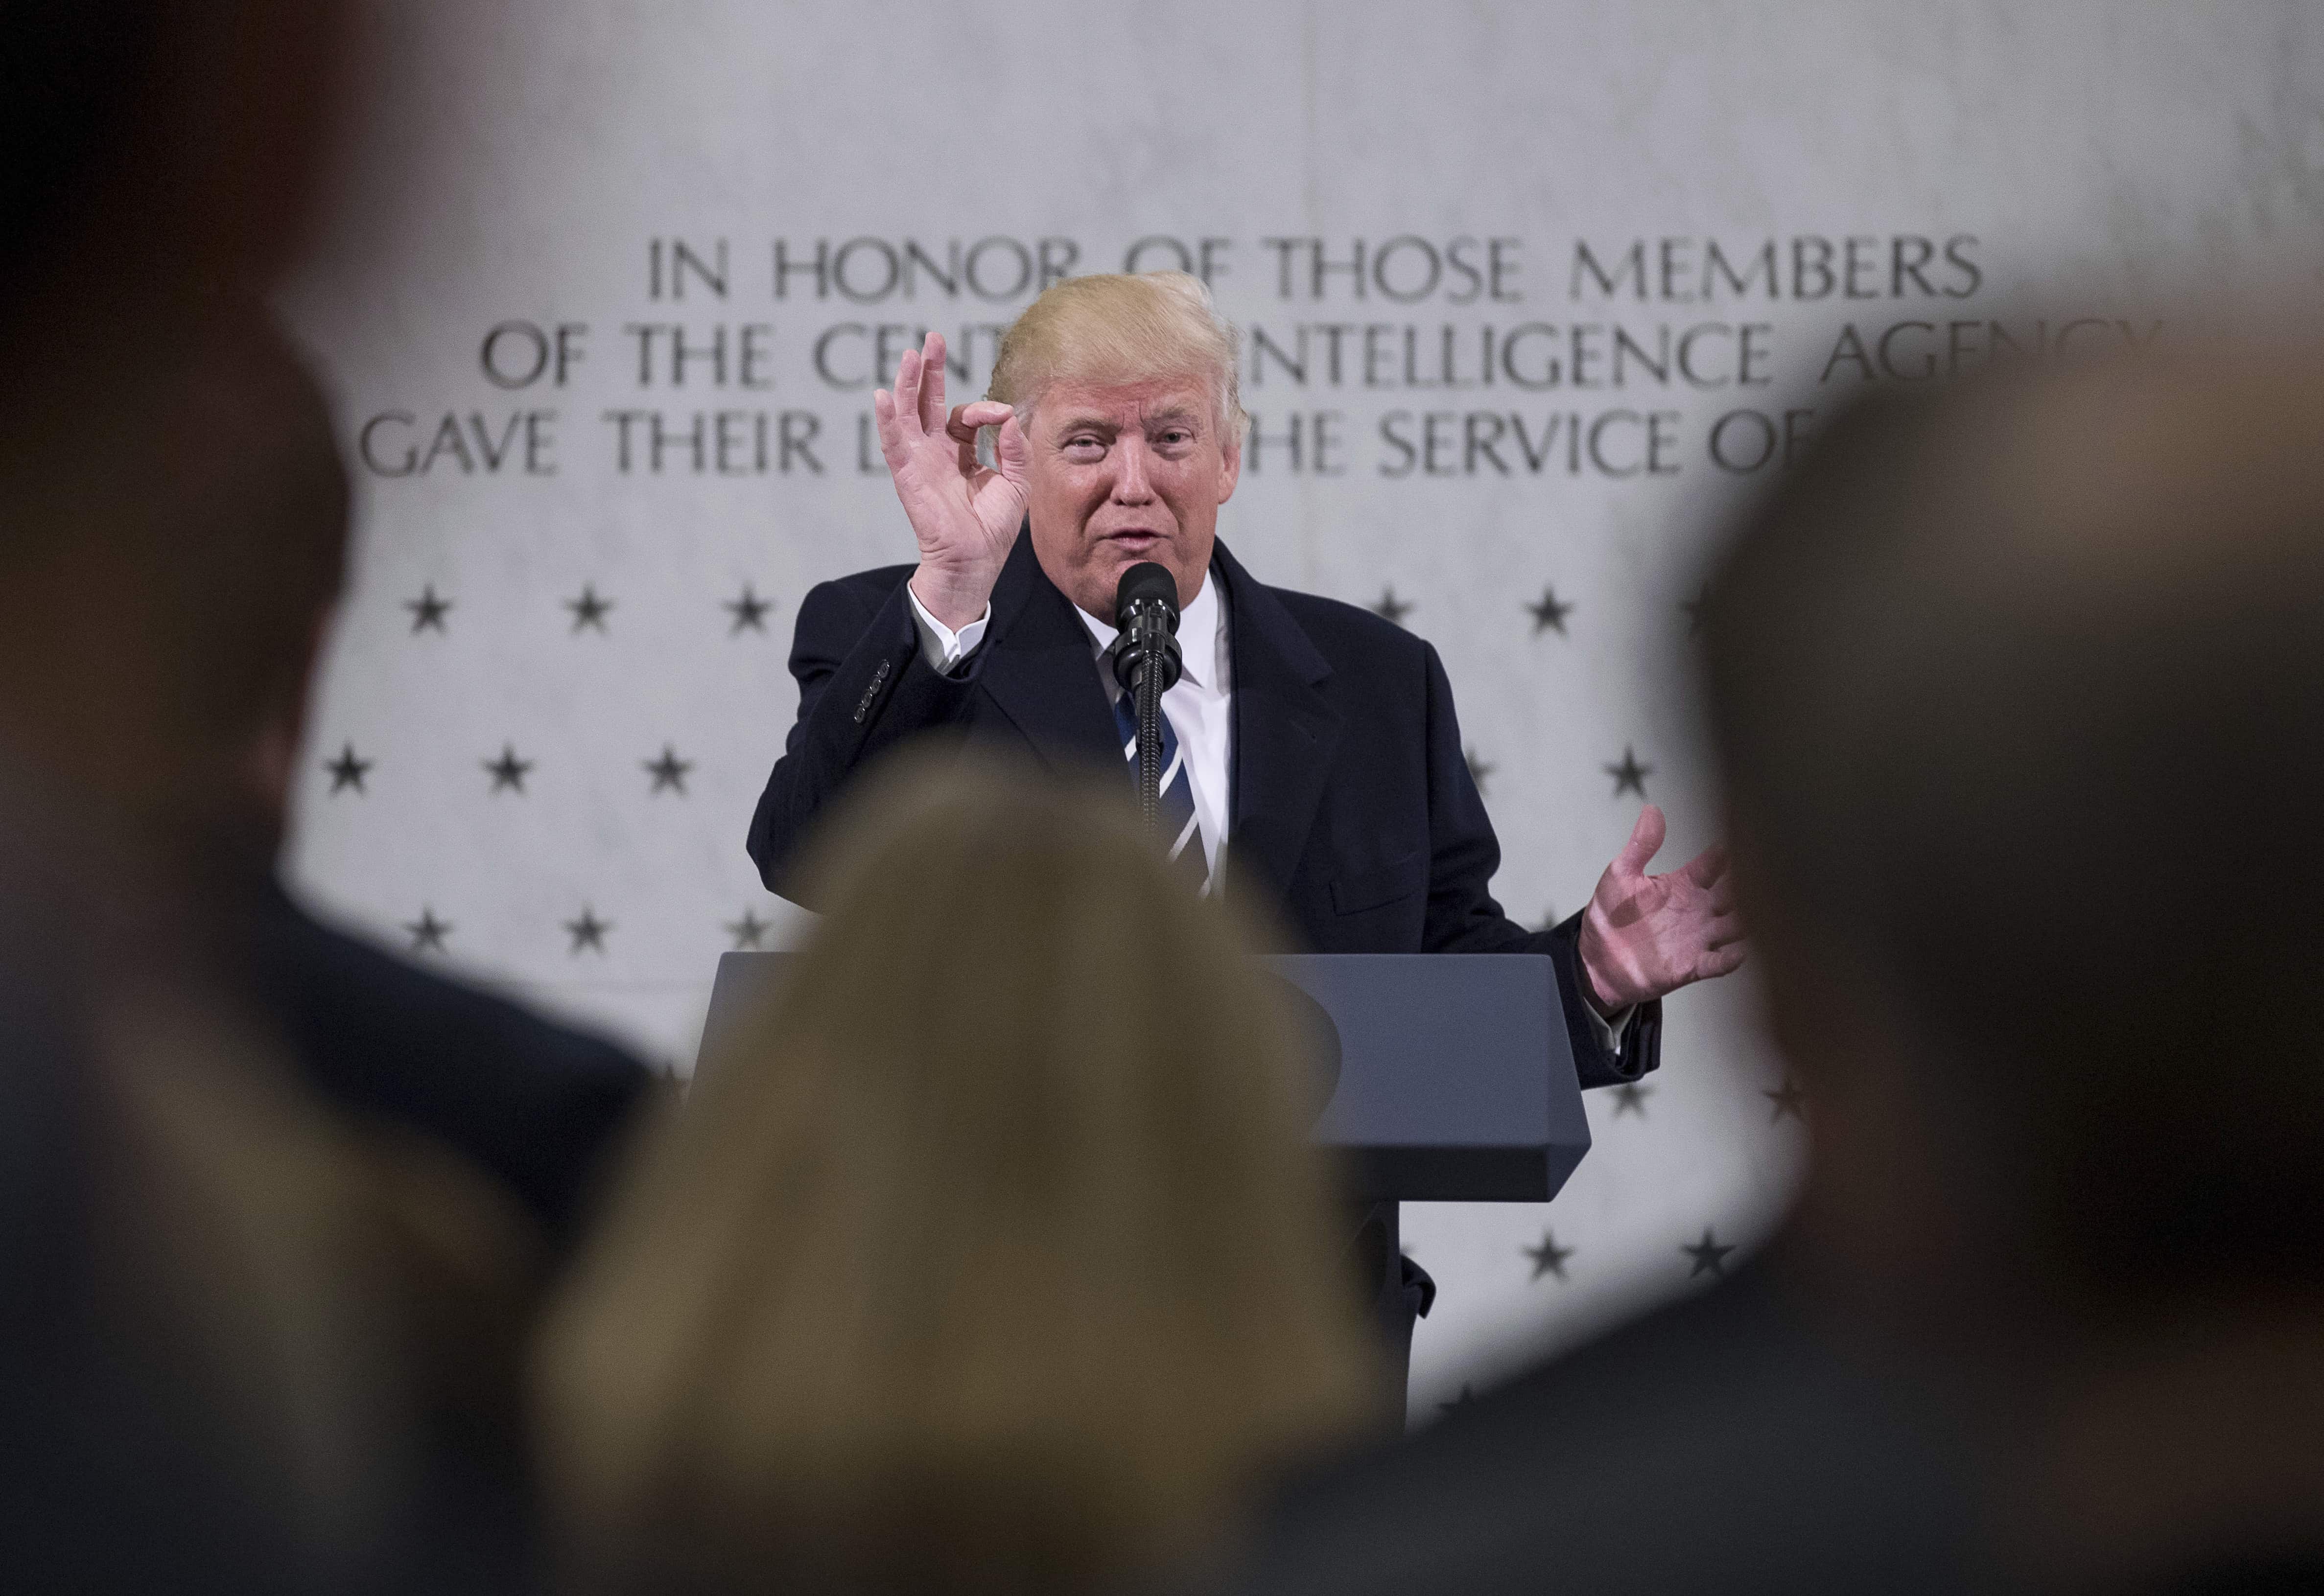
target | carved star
[
  {"x": 427, "y": 933},
  {"x": 1693, "y": 609},
  {"x": 589, "y": 932},
  {"x": 1549, "y": 615},
  {"x": 1630, "y": 1097},
  {"x": 347, "y": 770},
  {"x": 1549, "y": 1257},
  {"x": 589, "y": 610},
  {"x": 668, "y": 771},
  {"x": 428, "y": 609},
  {"x": 747, "y": 931},
  {"x": 1391, "y": 608},
  {"x": 1479, "y": 771},
  {"x": 749, "y": 611},
  {"x": 1790, "y": 1098},
  {"x": 1629, "y": 776},
  {"x": 1710, "y": 1256},
  {"x": 508, "y": 771}
]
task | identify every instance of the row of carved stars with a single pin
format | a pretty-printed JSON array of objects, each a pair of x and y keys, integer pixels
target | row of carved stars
[
  {"x": 348, "y": 769},
  {"x": 1707, "y": 1256},
  {"x": 1790, "y": 1101},
  {"x": 1549, "y": 1258},
  {"x": 1629, "y": 774},
  {"x": 431, "y": 934},
  {"x": 748, "y": 612},
  {"x": 748, "y": 935},
  {"x": 1549, "y": 612},
  {"x": 431, "y": 610},
  {"x": 1787, "y": 1101},
  {"x": 668, "y": 772}
]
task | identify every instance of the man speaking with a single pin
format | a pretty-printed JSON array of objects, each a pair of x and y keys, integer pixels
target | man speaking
[{"x": 1314, "y": 740}]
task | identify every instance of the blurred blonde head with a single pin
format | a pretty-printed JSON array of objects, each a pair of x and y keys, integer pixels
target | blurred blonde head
[
  {"x": 1114, "y": 327},
  {"x": 996, "y": 1257}
]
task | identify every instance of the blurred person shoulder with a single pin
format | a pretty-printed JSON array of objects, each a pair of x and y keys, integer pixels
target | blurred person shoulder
[
  {"x": 236, "y": 1331},
  {"x": 336, "y": 1315},
  {"x": 542, "y": 1106},
  {"x": 1721, "y": 1443}
]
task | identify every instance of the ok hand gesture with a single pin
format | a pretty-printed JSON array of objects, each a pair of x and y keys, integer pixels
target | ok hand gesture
[{"x": 965, "y": 516}]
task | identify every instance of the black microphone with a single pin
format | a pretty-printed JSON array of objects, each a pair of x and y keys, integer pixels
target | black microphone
[
  {"x": 1146, "y": 662},
  {"x": 1146, "y": 609}
]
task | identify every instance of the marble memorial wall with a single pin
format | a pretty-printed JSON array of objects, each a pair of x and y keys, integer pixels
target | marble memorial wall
[{"x": 1529, "y": 291}]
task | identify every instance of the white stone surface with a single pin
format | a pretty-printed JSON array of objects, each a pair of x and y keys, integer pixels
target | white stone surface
[{"x": 518, "y": 158}]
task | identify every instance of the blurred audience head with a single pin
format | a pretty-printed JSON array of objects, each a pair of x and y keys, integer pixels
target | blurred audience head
[
  {"x": 150, "y": 149},
  {"x": 235, "y": 1290},
  {"x": 2019, "y": 687},
  {"x": 2019, "y": 690},
  {"x": 990, "y": 1262},
  {"x": 174, "y": 544},
  {"x": 166, "y": 466},
  {"x": 210, "y": 1340}
]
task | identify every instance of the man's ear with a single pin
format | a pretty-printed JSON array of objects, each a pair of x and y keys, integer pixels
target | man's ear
[{"x": 1231, "y": 472}]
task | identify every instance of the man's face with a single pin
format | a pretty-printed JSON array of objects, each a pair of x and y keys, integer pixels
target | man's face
[{"x": 1127, "y": 472}]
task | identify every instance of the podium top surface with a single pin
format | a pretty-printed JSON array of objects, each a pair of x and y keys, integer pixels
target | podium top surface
[{"x": 1449, "y": 1075}]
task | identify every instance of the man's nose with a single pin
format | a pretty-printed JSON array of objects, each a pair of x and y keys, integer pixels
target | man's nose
[{"x": 1132, "y": 483}]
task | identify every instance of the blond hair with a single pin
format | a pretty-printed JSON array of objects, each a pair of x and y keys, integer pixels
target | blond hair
[
  {"x": 1115, "y": 327},
  {"x": 996, "y": 1257}
]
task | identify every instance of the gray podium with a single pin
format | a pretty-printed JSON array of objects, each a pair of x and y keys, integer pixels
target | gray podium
[{"x": 1448, "y": 1076}]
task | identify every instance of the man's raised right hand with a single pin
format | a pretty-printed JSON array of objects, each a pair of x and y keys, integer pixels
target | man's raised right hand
[{"x": 965, "y": 516}]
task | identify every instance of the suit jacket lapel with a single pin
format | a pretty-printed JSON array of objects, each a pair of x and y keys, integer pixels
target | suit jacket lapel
[
  {"x": 1037, "y": 666},
  {"x": 1284, "y": 730}
]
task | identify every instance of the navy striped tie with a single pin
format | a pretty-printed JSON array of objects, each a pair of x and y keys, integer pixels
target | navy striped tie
[{"x": 1179, "y": 827}]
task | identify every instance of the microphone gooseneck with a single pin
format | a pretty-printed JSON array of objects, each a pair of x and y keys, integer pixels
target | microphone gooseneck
[{"x": 1145, "y": 663}]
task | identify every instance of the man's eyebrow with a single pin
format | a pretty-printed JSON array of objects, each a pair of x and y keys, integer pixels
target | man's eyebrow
[{"x": 1109, "y": 426}]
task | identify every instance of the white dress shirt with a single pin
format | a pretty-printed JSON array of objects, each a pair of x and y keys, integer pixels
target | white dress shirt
[
  {"x": 1199, "y": 704},
  {"x": 1200, "y": 707}
]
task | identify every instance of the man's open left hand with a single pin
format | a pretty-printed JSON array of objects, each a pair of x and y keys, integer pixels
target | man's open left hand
[{"x": 1644, "y": 936}]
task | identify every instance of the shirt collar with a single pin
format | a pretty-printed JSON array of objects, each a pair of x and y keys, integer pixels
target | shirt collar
[{"x": 1198, "y": 634}]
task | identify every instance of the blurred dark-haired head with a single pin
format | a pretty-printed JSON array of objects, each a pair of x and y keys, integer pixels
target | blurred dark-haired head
[
  {"x": 2019, "y": 687},
  {"x": 153, "y": 148},
  {"x": 171, "y": 499},
  {"x": 173, "y": 539}
]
